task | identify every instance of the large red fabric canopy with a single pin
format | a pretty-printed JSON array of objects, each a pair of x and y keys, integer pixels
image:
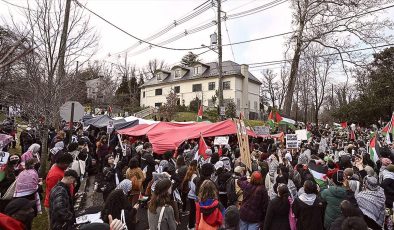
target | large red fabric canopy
[{"x": 166, "y": 136}]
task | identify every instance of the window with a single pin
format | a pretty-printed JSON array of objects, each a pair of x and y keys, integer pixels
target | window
[
  {"x": 158, "y": 75},
  {"x": 197, "y": 70},
  {"x": 211, "y": 86},
  {"x": 158, "y": 105},
  {"x": 158, "y": 92},
  {"x": 197, "y": 88},
  {"x": 177, "y": 89},
  {"x": 143, "y": 94},
  {"x": 178, "y": 73},
  {"x": 255, "y": 106},
  {"x": 226, "y": 85}
]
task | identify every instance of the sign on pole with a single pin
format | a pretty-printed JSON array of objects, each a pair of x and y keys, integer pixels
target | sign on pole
[
  {"x": 302, "y": 134},
  {"x": 222, "y": 111},
  {"x": 110, "y": 127},
  {"x": 243, "y": 141},
  {"x": 222, "y": 140},
  {"x": 291, "y": 141},
  {"x": 65, "y": 111},
  {"x": 261, "y": 130}
]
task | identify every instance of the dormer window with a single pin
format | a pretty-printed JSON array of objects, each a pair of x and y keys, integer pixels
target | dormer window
[
  {"x": 178, "y": 73},
  {"x": 197, "y": 70},
  {"x": 159, "y": 77}
]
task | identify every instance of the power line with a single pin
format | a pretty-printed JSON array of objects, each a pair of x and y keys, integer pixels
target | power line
[
  {"x": 229, "y": 40},
  {"x": 139, "y": 39},
  {"x": 208, "y": 25}
]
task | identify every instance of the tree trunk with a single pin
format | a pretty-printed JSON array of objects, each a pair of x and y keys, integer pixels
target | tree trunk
[
  {"x": 44, "y": 152},
  {"x": 292, "y": 80}
]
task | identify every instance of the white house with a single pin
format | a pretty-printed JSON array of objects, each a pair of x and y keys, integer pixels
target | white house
[{"x": 201, "y": 80}]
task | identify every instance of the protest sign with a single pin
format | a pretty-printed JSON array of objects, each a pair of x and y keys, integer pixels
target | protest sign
[
  {"x": 243, "y": 141},
  {"x": 221, "y": 140},
  {"x": 291, "y": 141},
  {"x": 261, "y": 130},
  {"x": 302, "y": 134},
  {"x": 110, "y": 126}
]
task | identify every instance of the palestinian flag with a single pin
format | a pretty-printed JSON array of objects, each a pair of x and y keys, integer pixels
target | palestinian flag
[
  {"x": 202, "y": 147},
  {"x": 389, "y": 129},
  {"x": 344, "y": 125},
  {"x": 308, "y": 135},
  {"x": 319, "y": 173},
  {"x": 278, "y": 117},
  {"x": 271, "y": 121},
  {"x": 199, "y": 114},
  {"x": 374, "y": 149}
]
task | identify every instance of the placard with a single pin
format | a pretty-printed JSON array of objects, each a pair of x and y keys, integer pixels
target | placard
[
  {"x": 291, "y": 141},
  {"x": 222, "y": 111},
  {"x": 221, "y": 140},
  {"x": 262, "y": 130},
  {"x": 302, "y": 134},
  {"x": 243, "y": 141},
  {"x": 110, "y": 126}
]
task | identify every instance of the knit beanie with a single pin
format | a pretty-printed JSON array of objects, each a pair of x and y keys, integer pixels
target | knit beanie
[{"x": 371, "y": 183}]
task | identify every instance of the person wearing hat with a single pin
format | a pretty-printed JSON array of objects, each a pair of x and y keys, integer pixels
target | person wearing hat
[
  {"x": 371, "y": 201},
  {"x": 388, "y": 185},
  {"x": 255, "y": 198},
  {"x": 18, "y": 215},
  {"x": 61, "y": 206},
  {"x": 333, "y": 196}
]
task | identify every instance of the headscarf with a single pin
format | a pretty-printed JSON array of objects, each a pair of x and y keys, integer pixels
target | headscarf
[
  {"x": 125, "y": 185},
  {"x": 34, "y": 148}
]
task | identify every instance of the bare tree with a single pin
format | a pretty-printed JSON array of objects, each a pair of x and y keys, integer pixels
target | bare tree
[
  {"x": 336, "y": 25},
  {"x": 270, "y": 86},
  {"x": 39, "y": 87},
  {"x": 319, "y": 68},
  {"x": 152, "y": 66}
]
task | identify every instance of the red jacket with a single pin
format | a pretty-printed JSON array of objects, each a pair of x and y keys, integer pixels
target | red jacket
[
  {"x": 212, "y": 213},
  {"x": 55, "y": 175},
  {"x": 9, "y": 223}
]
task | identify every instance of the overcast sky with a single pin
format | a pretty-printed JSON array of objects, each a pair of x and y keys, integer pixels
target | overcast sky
[{"x": 143, "y": 18}]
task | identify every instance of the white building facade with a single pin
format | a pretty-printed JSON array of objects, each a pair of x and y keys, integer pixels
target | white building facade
[{"x": 202, "y": 81}]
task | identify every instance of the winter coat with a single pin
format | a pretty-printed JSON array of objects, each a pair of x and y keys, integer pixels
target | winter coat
[
  {"x": 388, "y": 186},
  {"x": 148, "y": 162},
  {"x": 61, "y": 209},
  {"x": 9, "y": 223},
  {"x": 212, "y": 212},
  {"x": 309, "y": 211},
  {"x": 333, "y": 196},
  {"x": 255, "y": 198},
  {"x": 277, "y": 217}
]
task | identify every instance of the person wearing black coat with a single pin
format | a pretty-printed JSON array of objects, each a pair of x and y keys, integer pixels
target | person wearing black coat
[
  {"x": 147, "y": 163},
  {"x": 388, "y": 186},
  {"x": 308, "y": 208},
  {"x": 277, "y": 216},
  {"x": 347, "y": 210}
]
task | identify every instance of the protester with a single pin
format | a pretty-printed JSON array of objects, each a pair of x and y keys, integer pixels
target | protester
[
  {"x": 231, "y": 218},
  {"x": 118, "y": 207},
  {"x": 147, "y": 163},
  {"x": 134, "y": 171},
  {"x": 347, "y": 210},
  {"x": 333, "y": 196},
  {"x": 209, "y": 211},
  {"x": 308, "y": 208},
  {"x": 61, "y": 207},
  {"x": 255, "y": 197},
  {"x": 277, "y": 216},
  {"x": 111, "y": 175},
  {"x": 18, "y": 215},
  {"x": 188, "y": 186},
  {"x": 32, "y": 152},
  {"x": 55, "y": 174},
  {"x": 388, "y": 186},
  {"x": 160, "y": 211},
  {"x": 28, "y": 184},
  {"x": 371, "y": 201}
]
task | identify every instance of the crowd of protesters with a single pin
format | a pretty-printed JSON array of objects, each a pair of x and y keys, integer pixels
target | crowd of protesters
[{"x": 329, "y": 182}]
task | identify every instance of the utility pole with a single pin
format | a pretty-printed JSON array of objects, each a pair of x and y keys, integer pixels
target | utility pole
[
  {"x": 220, "y": 55},
  {"x": 332, "y": 96},
  {"x": 63, "y": 41}
]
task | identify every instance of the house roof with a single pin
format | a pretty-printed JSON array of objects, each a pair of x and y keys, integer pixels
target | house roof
[{"x": 228, "y": 68}]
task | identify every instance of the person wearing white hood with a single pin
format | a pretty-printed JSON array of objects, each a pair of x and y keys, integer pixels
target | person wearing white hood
[{"x": 308, "y": 208}]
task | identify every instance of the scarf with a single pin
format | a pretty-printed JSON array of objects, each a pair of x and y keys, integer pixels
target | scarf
[
  {"x": 125, "y": 185},
  {"x": 372, "y": 203}
]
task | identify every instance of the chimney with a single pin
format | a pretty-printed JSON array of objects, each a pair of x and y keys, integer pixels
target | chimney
[{"x": 245, "y": 90}]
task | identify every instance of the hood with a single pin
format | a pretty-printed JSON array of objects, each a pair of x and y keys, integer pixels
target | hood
[
  {"x": 337, "y": 191},
  {"x": 388, "y": 175},
  {"x": 308, "y": 199},
  {"x": 208, "y": 207}
]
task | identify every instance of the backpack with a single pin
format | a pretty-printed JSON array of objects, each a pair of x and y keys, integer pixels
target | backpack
[{"x": 232, "y": 196}]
